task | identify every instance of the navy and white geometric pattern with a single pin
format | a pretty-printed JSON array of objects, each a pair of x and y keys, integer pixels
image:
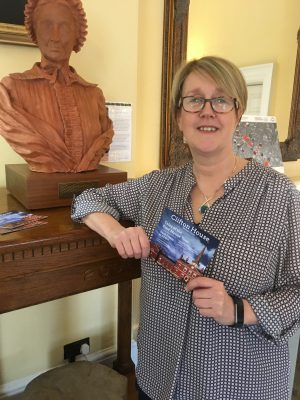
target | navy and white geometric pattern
[{"x": 182, "y": 355}]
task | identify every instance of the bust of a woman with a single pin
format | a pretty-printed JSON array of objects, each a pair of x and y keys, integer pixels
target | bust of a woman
[{"x": 49, "y": 115}]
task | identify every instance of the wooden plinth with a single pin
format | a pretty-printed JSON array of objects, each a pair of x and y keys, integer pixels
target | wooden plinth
[{"x": 36, "y": 190}]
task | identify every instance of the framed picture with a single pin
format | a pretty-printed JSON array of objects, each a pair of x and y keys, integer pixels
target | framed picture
[
  {"x": 258, "y": 79},
  {"x": 12, "y": 30},
  {"x": 173, "y": 151}
]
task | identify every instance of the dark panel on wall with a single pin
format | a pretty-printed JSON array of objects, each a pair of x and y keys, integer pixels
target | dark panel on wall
[{"x": 12, "y": 11}]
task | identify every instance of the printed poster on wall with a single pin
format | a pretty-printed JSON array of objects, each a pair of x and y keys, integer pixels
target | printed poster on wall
[{"x": 121, "y": 116}]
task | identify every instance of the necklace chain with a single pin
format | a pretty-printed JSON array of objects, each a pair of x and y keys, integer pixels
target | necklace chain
[{"x": 205, "y": 206}]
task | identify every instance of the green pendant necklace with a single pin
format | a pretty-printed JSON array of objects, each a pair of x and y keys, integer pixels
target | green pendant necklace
[{"x": 206, "y": 205}]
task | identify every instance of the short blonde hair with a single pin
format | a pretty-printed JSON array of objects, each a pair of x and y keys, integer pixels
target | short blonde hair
[
  {"x": 224, "y": 73},
  {"x": 76, "y": 8}
]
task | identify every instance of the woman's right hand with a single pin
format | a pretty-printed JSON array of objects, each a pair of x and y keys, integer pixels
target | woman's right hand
[{"x": 130, "y": 242}]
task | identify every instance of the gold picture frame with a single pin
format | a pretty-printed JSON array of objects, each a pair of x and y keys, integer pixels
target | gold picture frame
[
  {"x": 12, "y": 29},
  {"x": 173, "y": 152},
  {"x": 14, "y": 34}
]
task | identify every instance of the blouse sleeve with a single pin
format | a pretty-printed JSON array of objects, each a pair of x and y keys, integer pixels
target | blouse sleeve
[
  {"x": 121, "y": 201},
  {"x": 278, "y": 311}
]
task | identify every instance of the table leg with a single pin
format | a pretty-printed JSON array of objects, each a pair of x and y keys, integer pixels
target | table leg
[{"x": 123, "y": 363}]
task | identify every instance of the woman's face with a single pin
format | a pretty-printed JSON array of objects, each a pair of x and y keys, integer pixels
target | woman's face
[
  {"x": 206, "y": 132},
  {"x": 56, "y": 32}
]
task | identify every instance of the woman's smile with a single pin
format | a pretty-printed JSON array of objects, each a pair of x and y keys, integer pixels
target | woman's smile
[{"x": 207, "y": 129}]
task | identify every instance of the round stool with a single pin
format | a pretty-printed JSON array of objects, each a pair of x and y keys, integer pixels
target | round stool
[{"x": 81, "y": 380}]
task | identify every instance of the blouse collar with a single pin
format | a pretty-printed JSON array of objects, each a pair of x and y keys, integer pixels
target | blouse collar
[{"x": 230, "y": 183}]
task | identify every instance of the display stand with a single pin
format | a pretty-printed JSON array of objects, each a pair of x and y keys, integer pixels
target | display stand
[{"x": 36, "y": 190}]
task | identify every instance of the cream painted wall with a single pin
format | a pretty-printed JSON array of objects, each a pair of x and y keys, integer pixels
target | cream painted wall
[
  {"x": 249, "y": 33},
  {"x": 123, "y": 55}
]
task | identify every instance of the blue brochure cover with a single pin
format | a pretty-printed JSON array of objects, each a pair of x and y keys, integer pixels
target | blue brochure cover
[
  {"x": 12, "y": 221},
  {"x": 177, "y": 239}
]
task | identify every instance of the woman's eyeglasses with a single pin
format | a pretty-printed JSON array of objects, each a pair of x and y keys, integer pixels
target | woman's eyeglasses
[{"x": 195, "y": 104}]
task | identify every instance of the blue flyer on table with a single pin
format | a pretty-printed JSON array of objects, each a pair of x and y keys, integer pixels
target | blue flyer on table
[
  {"x": 12, "y": 221},
  {"x": 178, "y": 239}
]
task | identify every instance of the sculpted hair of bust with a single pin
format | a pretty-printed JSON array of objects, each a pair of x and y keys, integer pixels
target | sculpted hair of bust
[{"x": 76, "y": 9}]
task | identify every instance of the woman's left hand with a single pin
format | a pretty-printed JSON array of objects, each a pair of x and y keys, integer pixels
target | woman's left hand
[{"x": 212, "y": 300}]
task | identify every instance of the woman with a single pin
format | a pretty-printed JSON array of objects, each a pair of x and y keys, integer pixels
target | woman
[
  {"x": 222, "y": 335},
  {"x": 49, "y": 115}
]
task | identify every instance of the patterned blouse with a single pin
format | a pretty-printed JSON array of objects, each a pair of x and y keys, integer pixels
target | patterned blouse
[{"x": 182, "y": 355}]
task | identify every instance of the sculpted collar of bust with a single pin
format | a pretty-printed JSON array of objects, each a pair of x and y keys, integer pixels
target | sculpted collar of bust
[{"x": 49, "y": 72}]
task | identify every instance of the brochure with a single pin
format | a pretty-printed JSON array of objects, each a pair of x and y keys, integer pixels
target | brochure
[
  {"x": 178, "y": 243},
  {"x": 12, "y": 221}
]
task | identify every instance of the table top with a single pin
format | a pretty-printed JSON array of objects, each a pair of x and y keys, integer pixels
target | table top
[{"x": 59, "y": 225}]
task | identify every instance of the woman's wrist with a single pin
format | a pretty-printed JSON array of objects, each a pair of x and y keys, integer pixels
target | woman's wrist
[
  {"x": 250, "y": 317},
  {"x": 238, "y": 312},
  {"x": 104, "y": 224},
  {"x": 243, "y": 313}
]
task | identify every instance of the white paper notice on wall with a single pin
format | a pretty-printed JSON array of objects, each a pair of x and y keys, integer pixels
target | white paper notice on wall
[{"x": 121, "y": 116}]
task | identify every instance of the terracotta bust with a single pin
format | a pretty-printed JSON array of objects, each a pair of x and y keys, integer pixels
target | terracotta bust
[{"x": 49, "y": 115}]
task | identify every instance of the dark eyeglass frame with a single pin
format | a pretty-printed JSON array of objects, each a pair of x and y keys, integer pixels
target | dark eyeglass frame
[{"x": 235, "y": 104}]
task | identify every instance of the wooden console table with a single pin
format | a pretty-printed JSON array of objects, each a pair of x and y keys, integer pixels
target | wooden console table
[{"x": 60, "y": 259}]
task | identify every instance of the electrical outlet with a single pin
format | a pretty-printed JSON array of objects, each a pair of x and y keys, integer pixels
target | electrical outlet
[{"x": 71, "y": 350}]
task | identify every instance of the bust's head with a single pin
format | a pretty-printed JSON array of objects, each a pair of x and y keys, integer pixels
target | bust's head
[{"x": 56, "y": 20}]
